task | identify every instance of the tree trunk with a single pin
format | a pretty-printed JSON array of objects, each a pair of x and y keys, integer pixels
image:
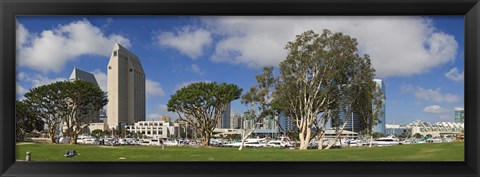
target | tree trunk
[
  {"x": 75, "y": 136},
  {"x": 371, "y": 139},
  {"x": 305, "y": 138},
  {"x": 301, "y": 137},
  {"x": 337, "y": 136},
  {"x": 51, "y": 133},
  {"x": 245, "y": 138},
  {"x": 320, "y": 140},
  {"x": 205, "y": 139}
]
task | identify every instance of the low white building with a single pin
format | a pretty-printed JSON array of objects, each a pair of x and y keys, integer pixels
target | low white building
[
  {"x": 218, "y": 132},
  {"x": 98, "y": 126},
  {"x": 153, "y": 129},
  {"x": 437, "y": 129},
  {"x": 426, "y": 128}
]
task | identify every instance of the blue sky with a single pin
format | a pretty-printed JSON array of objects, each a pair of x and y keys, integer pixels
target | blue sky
[{"x": 420, "y": 58}]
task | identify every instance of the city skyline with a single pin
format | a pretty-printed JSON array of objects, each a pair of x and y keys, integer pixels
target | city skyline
[{"x": 419, "y": 58}]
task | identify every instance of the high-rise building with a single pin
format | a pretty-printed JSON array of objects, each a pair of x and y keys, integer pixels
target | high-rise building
[
  {"x": 287, "y": 124},
  {"x": 380, "y": 127},
  {"x": 78, "y": 74},
  {"x": 224, "y": 121},
  {"x": 348, "y": 117},
  {"x": 353, "y": 121},
  {"x": 94, "y": 116},
  {"x": 459, "y": 115},
  {"x": 236, "y": 121},
  {"x": 126, "y": 88}
]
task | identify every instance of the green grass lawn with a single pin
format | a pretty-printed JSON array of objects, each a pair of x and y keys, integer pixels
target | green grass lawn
[{"x": 412, "y": 152}]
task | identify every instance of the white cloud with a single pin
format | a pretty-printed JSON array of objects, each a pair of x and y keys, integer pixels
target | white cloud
[
  {"x": 435, "y": 95},
  {"x": 51, "y": 49},
  {"x": 398, "y": 46},
  {"x": 20, "y": 90},
  {"x": 153, "y": 88},
  {"x": 407, "y": 88},
  {"x": 187, "y": 40},
  {"x": 101, "y": 78},
  {"x": 195, "y": 69},
  {"x": 37, "y": 79},
  {"x": 183, "y": 84},
  {"x": 436, "y": 109},
  {"x": 22, "y": 35},
  {"x": 455, "y": 75},
  {"x": 431, "y": 94}
]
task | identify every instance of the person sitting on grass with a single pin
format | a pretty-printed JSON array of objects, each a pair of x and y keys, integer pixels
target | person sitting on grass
[
  {"x": 67, "y": 154},
  {"x": 70, "y": 155}
]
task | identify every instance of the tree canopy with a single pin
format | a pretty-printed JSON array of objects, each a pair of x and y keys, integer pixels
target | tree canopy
[
  {"x": 202, "y": 104},
  {"x": 70, "y": 102},
  {"x": 47, "y": 101},
  {"x": 26, "y": 120},
  {"x": 320, "y": 75},
  {"x": 258, "y": 101},
  {"x": 85, "y": 102}
]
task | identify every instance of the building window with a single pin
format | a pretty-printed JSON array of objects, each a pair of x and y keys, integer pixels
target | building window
[
  {"x": 131, "y": 69},
  {"x": 109, "y": 67},
  {"x": 115, "y": 53}
]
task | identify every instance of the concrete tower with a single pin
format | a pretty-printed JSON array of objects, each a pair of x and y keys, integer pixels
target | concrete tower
[
  {"x": 224, "y": 121},
  {"x": 380, "y": 127},
  {"x": 126, "y": 89},
  {"x": 459, "y": 115}
]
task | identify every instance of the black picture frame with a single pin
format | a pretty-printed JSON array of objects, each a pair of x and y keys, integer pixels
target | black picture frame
[{"x": 11, "y": 8}]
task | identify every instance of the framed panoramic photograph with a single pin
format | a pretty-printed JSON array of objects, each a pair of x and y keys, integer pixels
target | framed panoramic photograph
[{"x": 239, "y": 88}]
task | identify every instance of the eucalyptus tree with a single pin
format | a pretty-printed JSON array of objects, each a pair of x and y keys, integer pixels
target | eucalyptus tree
[
  {"x": 258, "y": 101},
  {"x": 316, "y": 79},
  {"x": 202, "y": 104},
  {"x": 361, "y": 97},
  {"x": 26, "y": 120}
]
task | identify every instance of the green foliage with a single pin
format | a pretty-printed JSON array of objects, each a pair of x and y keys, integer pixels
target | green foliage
[
  {"x": 403, "y": 135},
  {"x": 378, "y": 135},
  {"x": 258, "y": 98},
  {"x": 71, "y": 102},
  {"x": 26, "y": 120},
  {"x": 98, "y": 133},
  {"x": 48, "y": 102},
  {"x": 418, "y": 135},
  {"x": 323, "y": 73},
  {"x": 293, "y": 135},
  {"x": 85, "y": 100},
  {"x": 202, "y": 104}
]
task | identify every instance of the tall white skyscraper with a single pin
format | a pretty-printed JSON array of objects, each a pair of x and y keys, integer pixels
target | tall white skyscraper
[
  {"x": 380, "y": 127},
  {"x": 126, "y": 88}
]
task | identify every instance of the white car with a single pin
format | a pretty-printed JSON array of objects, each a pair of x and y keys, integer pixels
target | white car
[
  {"x": 278, "y": 143},
  {"x": 254, "y": 144}
]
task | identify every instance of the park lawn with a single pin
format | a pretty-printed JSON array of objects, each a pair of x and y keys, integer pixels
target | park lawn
[{"x": 412, "y": 152}]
